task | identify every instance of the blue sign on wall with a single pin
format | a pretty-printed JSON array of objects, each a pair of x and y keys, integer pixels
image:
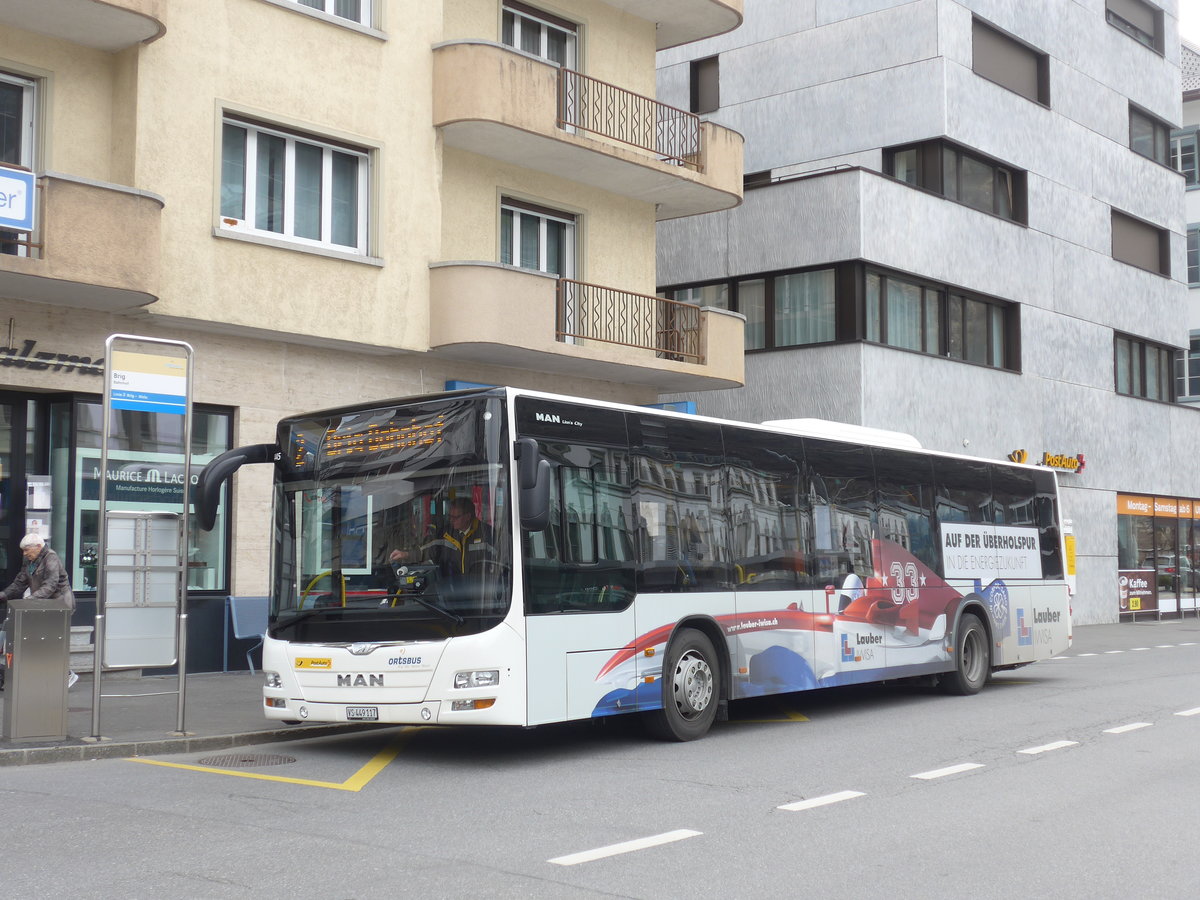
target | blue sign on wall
[{"x": 16, "y": 199}]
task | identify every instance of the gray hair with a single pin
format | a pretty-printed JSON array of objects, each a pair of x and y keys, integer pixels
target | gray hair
[{"x": 32, "y": 540}]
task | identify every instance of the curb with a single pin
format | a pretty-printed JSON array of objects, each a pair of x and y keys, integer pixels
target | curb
[{"x": 78, "y": 751}]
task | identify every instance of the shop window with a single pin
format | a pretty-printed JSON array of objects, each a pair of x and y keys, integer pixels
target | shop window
[{"x": 145, "y": 473}]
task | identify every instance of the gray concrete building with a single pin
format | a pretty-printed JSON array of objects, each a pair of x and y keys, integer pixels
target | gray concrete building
[{"x": 961, "y": 221}]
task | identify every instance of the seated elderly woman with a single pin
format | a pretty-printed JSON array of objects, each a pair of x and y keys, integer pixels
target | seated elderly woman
[{"x": 42, "y": 577}]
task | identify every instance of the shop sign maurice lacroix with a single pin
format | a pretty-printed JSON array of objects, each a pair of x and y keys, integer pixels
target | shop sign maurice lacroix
[
  {"x": 1060, "y": 462},
  {"x": 135, "y": 480}
]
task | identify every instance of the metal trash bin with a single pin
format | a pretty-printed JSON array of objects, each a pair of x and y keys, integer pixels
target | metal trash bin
[{"x": 38, "y": 652}]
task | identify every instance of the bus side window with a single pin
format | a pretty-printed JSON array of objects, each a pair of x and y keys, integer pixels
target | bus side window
[
  {"x": 904, "y": 483},
  {"x": 583, "y": 561},
  {"x": 1045, "y": 516},
  {"x": 842, "y": 488},
  {"x": 679, "y": 504},
  {"x": 770, "y": 517}
]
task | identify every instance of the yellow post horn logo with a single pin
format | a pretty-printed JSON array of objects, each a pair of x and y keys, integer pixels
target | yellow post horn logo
[{"x": 1018, "y": 456}]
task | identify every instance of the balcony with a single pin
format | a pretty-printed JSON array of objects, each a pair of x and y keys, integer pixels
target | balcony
[
  {"x": 110, "y": 25},
  {"x": 558, "y": 325},
  {"x": 494, "y": 101},
  {"x": 94, "y": 246},
  {"x": 683, "y": 22}
]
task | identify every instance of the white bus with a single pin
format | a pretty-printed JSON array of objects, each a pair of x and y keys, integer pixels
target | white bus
[{"x": 620, "y": 559}]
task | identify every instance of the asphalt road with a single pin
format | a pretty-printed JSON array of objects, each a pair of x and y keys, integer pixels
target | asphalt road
[{"x": 1076, "y": 777}]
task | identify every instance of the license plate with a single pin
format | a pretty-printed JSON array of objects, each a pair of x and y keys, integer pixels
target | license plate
[{"x": 369, "y": 713}]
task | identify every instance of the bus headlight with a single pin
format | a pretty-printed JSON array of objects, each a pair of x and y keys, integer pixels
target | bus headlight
[
  {"x": 480, "y": 678},
  {"x": 273, "y": 680}
]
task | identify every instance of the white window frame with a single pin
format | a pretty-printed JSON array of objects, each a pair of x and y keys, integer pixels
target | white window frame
[
  {"x": 519, "y": 211},
  {"x": 28, "y": 147},
  {"x": 525, "y": 17},
  {"x": 328, "y": 7},
  {"x": 246, "y": 223},
  {"x": 1180, "y": 137}
]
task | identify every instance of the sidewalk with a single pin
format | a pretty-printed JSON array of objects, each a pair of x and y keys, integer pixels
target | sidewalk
[
  {"x": 224, "y": 710},
  {"x": 221, "y": 710}
]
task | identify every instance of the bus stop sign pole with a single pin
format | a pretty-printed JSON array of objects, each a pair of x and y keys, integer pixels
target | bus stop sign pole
[{"x": 141, "y": 583}]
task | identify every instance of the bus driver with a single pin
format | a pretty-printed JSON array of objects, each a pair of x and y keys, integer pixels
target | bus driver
[{"x": 465, "y": 544}]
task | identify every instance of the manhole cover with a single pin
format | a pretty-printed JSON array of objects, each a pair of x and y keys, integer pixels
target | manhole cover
[{"x": 246, "y": 760}]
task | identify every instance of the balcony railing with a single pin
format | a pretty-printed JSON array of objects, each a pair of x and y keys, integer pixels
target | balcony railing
[
  {"x": 595, "y": 313},
  {"x": 589, "y": 104}
]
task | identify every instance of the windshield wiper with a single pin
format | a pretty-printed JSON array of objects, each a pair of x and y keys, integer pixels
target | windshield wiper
[{"x": 428, "y": 604}]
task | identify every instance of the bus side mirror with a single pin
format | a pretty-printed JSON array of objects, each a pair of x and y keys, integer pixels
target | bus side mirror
[{"x": 533, "y": 483}]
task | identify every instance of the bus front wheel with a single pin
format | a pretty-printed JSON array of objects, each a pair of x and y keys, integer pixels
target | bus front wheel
[
  {"x": 972, "y": 659},
  {"x": 690, "y": 689}
]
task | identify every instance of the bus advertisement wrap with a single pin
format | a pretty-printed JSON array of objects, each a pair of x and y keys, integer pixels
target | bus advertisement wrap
[{"x": 990, "y": 551}]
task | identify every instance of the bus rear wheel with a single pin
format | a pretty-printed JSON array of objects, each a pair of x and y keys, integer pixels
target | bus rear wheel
[
  {"x": 690, "y": 689},
  {"x": 972, "y": 659}
]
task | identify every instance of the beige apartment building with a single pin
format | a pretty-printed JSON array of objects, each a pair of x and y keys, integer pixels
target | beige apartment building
[{"x": 331, "y": 201}]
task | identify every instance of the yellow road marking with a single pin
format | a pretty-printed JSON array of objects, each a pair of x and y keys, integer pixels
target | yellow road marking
[
  {"x": 788, "y": 716},
  {"x": 355, "y": 782}
]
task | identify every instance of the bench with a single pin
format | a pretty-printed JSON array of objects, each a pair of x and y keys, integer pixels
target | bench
[{"x": 248, "y": 617}]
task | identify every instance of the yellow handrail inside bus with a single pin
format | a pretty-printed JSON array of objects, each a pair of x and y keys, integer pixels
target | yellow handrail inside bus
[{"x": 312, "y": 584}]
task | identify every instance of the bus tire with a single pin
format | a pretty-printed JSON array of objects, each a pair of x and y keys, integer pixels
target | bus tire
[
  {"x": 972, "y": 659},
  {"x": 690, "y": 689}
]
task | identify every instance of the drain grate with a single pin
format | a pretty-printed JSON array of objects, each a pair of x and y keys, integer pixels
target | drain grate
[{"x": 246, "y": 760}]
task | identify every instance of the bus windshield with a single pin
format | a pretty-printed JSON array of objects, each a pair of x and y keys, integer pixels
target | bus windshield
[{"x": 392, "y": 524}]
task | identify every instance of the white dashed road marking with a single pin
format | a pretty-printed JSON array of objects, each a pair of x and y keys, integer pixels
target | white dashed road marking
[
  {"x": 1190, "y": 712},
  {"x": 1046, "y": 748},
  {"x": 626, "y": 847},
  {"x": 821, "y": 801},
  {"x": 949, "y": 770},
  {"x": 1132, "y": 726}
]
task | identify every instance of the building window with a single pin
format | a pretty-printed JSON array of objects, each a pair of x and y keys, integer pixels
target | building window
[
  {"x": 1141, "y": 21},
  {"x": 1010, "y": 63},
  {"x": 354, "y": 10},
  {"x": 705, "y": 75},
  {"x": 1143, "y": 369},
  {"x": 1185, "y": 152},
  {"x": 17, "y": 109},
  {"x": 540, "y": 33},
  {"x": 1188, "y": 371},
  {"x": 1193, "y": 255},
  {"x": 1140, "y": 244},
  {"x": 537, "y": 238},
  {"x": 937, "y": 320},
  {"x": 962, "y": 176},
  {"x": 849, "y": 302},
  {"x": 294, "y": 187},
  {"x": 1149, "y": 136},
  {"x": 715, "y": 295}
]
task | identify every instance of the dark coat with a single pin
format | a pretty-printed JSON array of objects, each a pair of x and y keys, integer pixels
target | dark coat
[{"x": 46, "y": 578}]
